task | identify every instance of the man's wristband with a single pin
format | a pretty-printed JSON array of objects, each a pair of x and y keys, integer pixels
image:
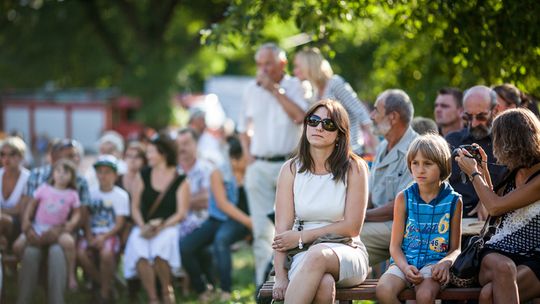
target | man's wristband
[{"x": 473, "y": 175}]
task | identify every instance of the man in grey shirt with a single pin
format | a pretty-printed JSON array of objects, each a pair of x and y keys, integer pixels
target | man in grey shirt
[{"x": 389, "y": 174}]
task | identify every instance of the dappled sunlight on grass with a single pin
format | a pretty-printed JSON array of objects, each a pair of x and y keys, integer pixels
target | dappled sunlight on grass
[{"x": 243, "y": 286}]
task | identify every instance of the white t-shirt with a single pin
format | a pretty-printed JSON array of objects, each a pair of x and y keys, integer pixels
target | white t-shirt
[
  {"x": 274, "y": 133},
  {"x": 105, "y": 207},
  {"x": 18, "y": 191}
]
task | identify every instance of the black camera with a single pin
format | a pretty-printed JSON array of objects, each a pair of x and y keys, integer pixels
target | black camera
[{"x": 473, "y": 150}]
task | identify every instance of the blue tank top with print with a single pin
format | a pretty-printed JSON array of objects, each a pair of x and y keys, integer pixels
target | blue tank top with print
[{"x": 426, "y": 239}]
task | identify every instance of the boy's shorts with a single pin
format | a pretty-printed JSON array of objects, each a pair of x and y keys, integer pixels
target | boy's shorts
[
  {"x": 424, "y": 271},
  {"x": 111, "y": 244}
]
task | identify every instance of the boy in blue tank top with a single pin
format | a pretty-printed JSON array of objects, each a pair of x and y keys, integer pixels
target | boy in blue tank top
[{"x": 426, "y": 233}]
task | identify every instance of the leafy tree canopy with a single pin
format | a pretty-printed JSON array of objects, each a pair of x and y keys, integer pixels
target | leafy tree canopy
[
  {"x": 152, "y": 49},
  {"x": 418, "y": 45}
]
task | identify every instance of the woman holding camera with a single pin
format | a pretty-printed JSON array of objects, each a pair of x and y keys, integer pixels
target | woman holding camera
[
  {"x": 510, "y": 267},
  {"x": 160, "y": 200}
]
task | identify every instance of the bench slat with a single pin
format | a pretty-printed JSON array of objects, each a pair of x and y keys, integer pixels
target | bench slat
[{"x": 366, "y": 291}]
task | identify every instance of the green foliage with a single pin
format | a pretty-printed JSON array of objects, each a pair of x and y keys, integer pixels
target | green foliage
[
  {"x": 152, "y": 49},
  {"x": 145, "y": 47},
  {"x": 419, "y": 46}
]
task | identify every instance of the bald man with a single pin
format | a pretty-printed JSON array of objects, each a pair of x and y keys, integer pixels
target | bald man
[{"x": 478, "y": 111}]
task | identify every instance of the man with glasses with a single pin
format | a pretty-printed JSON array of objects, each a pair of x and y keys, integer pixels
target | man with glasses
[
  {"x": 478, "y": 113},
  {"x": 274, "y": 106},
  {"x": 389, "y": 175}
]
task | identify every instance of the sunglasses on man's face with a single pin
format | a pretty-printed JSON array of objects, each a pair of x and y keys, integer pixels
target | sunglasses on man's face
[
  {"x": 484, "y": 116},
  {"x": 327, "y": 123}
]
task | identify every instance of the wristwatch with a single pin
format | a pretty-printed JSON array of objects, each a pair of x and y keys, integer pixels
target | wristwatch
[{"x": 473, "y": 175}]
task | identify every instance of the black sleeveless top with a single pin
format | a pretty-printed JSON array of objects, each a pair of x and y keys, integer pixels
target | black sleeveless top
[{"x": 167, "y": 207}]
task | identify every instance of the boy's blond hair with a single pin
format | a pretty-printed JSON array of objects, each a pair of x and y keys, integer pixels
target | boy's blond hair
[{"x": 435, "y": 148}]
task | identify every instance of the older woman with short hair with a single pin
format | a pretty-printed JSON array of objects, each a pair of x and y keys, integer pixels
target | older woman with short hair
[{"x": 510, "y": 267}]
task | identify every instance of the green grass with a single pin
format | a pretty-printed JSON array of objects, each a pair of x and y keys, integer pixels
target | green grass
[{"x": 243, "y": 286}]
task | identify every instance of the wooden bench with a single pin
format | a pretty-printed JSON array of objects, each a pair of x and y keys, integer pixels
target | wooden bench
[{"x": 366, "y": 291}]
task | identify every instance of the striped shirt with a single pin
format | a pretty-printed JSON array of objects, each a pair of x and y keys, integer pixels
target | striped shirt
[
  {"x": 41, "y": 174},
  {"x": 339, "y": 90}
]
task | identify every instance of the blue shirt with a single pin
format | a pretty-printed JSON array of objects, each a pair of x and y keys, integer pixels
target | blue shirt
[
  {"x": 426, "y": 239},
  {"x": 231, "y": 191}
]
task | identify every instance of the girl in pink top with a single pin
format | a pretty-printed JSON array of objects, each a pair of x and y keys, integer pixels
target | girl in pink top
[{"x": 55, "y": 201}]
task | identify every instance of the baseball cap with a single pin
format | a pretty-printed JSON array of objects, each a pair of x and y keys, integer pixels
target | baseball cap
[{"x": 107, "y": 161}]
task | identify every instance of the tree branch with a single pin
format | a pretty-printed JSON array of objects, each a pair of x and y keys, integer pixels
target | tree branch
[
  {"x": 92, "y": 11},
  {"x": 163, "y": 21},
  {"x": 131, "y": 16}
]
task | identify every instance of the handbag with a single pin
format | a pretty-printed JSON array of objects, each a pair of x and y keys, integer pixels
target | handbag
[
  {"x": 148, "y": 229},
  {"x": 464, "y": 271}
]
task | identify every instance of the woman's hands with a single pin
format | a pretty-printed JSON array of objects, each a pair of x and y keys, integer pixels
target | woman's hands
[
  {"x": 466, "y": 163},
  {"x": 286, "y": 240},
  {"x": 280, "y": 287},
  {"x": 152, "y": 228},
  {"x": 440, "y": 272}
]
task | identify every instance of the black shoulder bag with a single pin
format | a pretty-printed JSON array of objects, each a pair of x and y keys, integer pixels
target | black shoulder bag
[{"x": 464, "y": 271}]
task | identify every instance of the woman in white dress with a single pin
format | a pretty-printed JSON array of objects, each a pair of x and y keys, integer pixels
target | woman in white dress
[
  {"x": 318, "y": 216},
  {"x": 13, "y": 178}
]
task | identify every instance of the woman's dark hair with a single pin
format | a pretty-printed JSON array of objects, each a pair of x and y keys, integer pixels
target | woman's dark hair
[
  {"x": 339, "y": 161},
  {"x": 166, "y": 146},
  {"x": 138, "y": 147},
  {"x": 69, "y": 166},
  {"x": 511, "y": 95},
  {"x": 516, "y": 138},
  {"x": 235, "y": 147}
]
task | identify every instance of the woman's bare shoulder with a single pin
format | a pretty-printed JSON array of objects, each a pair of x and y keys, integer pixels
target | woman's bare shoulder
[{"x": 358, "y": 166}]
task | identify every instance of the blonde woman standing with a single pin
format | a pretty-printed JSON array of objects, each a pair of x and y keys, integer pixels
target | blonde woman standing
[{"x": 310, "y": 65}]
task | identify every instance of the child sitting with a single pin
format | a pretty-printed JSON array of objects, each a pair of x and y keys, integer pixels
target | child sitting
[
  {"x": 55, "y": 201},
  {"x": 107, "y": 212},
  {"x": 426, "y": 233}
]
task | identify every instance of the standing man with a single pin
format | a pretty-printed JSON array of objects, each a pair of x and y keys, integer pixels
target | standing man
[
  {"x": 448, "y": 110},
  {"x": 389, "y": 175},
  {"x": 274, "y": 108},
  {"x": 479, "y": 104}
]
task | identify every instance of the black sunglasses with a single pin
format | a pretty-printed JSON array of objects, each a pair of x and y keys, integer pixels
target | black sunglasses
[
  {"x": 327, "y": 123},
  {"x": 8, "y": 154}
]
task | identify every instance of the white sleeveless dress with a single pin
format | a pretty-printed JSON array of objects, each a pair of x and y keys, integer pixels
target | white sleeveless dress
[{"x": 320, "y": 201}]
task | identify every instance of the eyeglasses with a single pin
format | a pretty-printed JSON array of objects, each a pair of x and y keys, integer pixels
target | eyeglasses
[
  {"x": 327, "y": 123},
  {"x": 10, "y": 154},
  {"x": 483, "y": 116}
]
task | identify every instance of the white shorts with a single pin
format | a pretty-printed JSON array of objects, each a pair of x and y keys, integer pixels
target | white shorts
[{"x": 394, "y": 270}]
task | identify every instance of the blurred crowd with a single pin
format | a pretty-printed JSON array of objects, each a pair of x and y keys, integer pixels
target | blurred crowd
[{"x": 175, "y": 203}]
